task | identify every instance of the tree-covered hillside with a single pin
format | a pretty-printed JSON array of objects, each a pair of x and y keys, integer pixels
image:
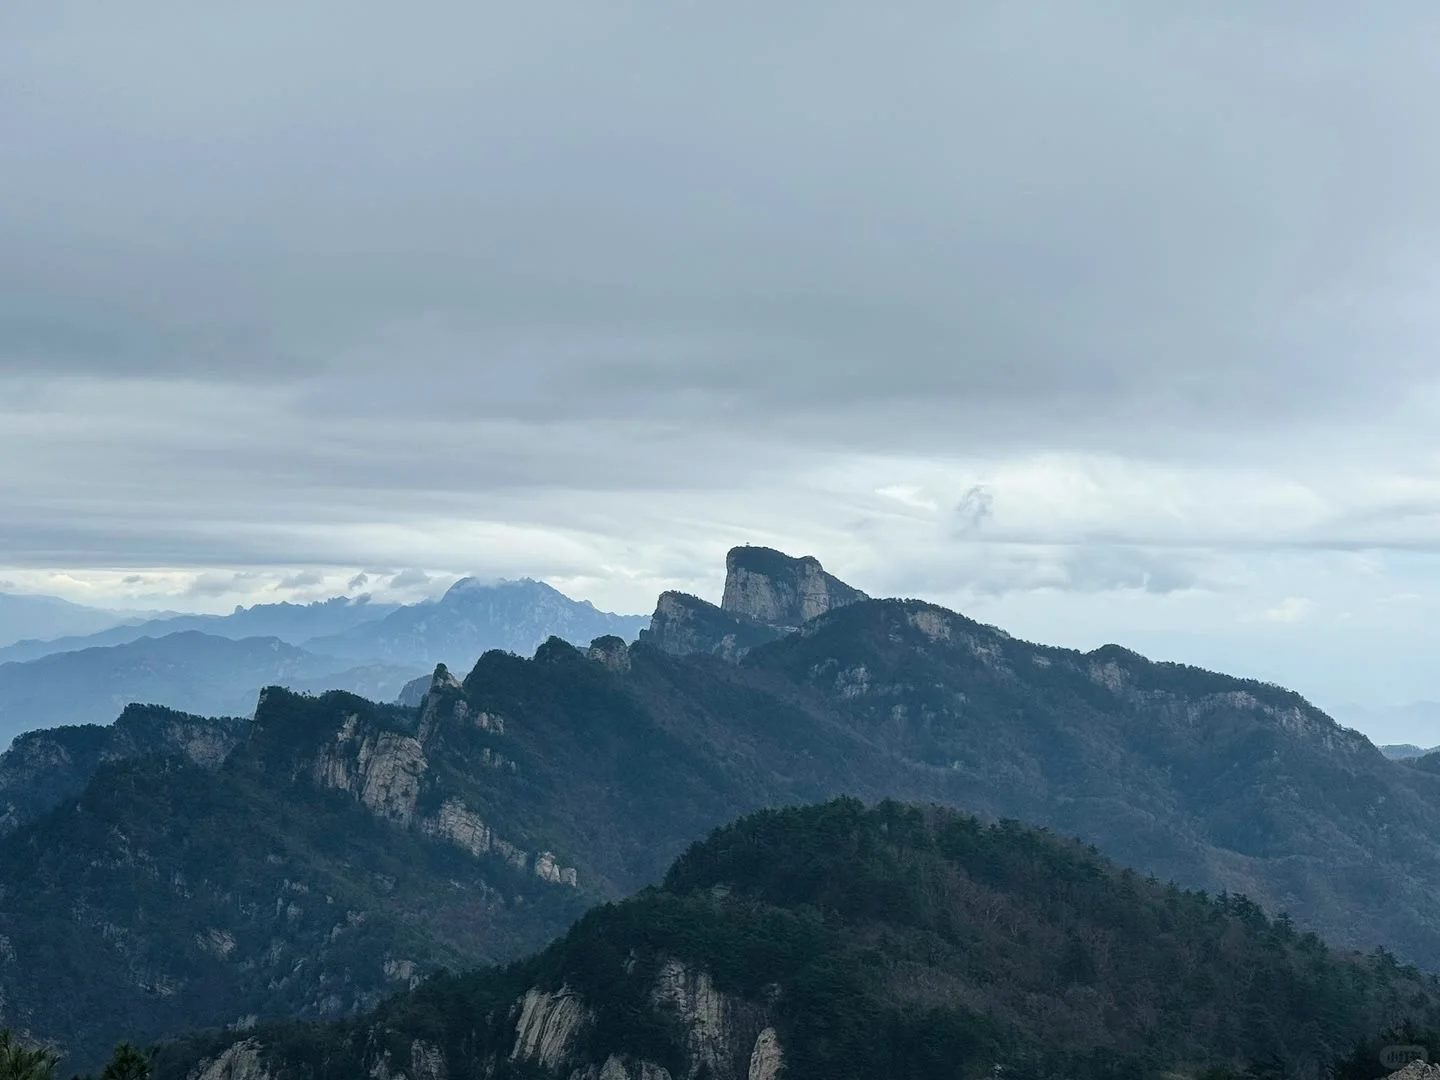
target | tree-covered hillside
[
  {"x": 168, "y": 896},
  {"x": 871, "y": 943}
]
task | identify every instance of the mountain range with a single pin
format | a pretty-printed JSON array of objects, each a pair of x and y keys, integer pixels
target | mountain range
[
  {"x": 217, "y": 664},
  {"x": 533, "y": 787},
  {"x": 292, "y": 623},
  {"x": 190, "y": 671},
  {"x": 25, "y": 615}
]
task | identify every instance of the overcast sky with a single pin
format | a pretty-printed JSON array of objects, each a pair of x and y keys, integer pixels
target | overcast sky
[{"x": 1102, "y": 322}]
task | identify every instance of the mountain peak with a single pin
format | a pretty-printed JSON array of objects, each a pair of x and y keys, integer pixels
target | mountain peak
[
  {"x": 781, "y": 590},
  {"x": 480, "y": 585}
]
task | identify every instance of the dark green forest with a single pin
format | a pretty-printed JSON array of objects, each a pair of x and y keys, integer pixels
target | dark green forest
[{"x": 908, "y": 942}]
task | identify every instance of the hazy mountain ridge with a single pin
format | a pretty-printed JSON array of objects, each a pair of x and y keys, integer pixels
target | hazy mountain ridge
[
  {"x": 291, "y": 623},
  {"x": 352, "y": 644},
  {"x": 1404, "y": 751},
  {"x": 836, "y": 941},
  {"x": 188, "y": 671},
  {"x": 474, "y": 617},
  {"x": 25, "y": 615}
]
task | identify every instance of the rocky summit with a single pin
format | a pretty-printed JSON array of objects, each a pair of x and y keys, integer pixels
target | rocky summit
[
  {"x": 770, "y": 587},
  {"x": 767, "y": 595}
]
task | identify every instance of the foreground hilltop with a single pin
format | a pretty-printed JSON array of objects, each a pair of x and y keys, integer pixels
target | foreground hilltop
[
  {"x": 542, "y": 785},
  {"x": 838, "y": 941}
]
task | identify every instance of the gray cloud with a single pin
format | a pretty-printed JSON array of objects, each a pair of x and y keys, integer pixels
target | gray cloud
[
  {"x": 966, "y": 213},
  {"x": 301, "y": 579},
  {"x": 974, "y": 508},
  {"x": 219, "y": 584}
]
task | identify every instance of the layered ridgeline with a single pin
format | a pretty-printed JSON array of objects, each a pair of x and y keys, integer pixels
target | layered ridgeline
[
  {"x": 473, "y": 617},
  {"x": 470, "y": 618},
  {"x": 291, "y": 623},
  {"x": 189, "y": 671},
  {"x": 607, "y": 761},
  {"x": 217, "y": 664},
  {"x": 836, "y": 941}
]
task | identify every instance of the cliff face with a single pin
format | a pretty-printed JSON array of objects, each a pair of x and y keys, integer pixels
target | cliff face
[
  {"x": 683, "y": 625},
  {"x": 767, "y": 586},
  {"x": 712, "y": 1035},
  {"x": 396, "y": 767},
  {"x": 767, "y": 594}
]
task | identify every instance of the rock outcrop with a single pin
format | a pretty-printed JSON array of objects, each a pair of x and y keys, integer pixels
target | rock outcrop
[
  {"x": 767, "y": 595},
  {"x": 611, "y": 651},
  {"x": 548, "y": 1027},
  {"x": 721, "y": 1031},
  {"x": 238, "y": 1062},
  {"x": 685, "y": 624},
  {"x": 381, "y": 769},
  {"x": 719, "y": 1036},
  {"x": 1416, "y": 1070},
  {"x": 766, "y": 1058},
  {"x": 385, "y": 770},
  {"x": 770, "y": 587}
]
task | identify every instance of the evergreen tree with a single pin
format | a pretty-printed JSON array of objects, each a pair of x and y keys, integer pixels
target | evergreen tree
[
  {"x": 21, "y": 1062},
  {"x": 127, "y": 1063}
]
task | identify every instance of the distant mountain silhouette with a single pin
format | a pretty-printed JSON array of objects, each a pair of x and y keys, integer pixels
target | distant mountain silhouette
[
  {"x": 474, "y": 617},
  {"x": 188, "y": 671},
  {"x": 292, "y": 623},
  {"x": 23, "y": 615}
]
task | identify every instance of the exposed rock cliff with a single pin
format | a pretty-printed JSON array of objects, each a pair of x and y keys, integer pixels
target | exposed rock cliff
[
  {"x": 238, "y": 1062},
  {"x": 722, "y": 1032},
  {"x": 767, "y": 595},
  {"x": 768, "y": 586},
  {"x": 685, "y": 624},
  {"x": 548, "y": 1027},
  {"x": 386, "y": 770},
  {"x": 611, "y": 651}
]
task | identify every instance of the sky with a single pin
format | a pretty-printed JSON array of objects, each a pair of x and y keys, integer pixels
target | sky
[{"x": 1101, "y": 322}]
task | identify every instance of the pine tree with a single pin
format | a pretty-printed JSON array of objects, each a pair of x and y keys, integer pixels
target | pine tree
[{"x": 21, "y": 1062}]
